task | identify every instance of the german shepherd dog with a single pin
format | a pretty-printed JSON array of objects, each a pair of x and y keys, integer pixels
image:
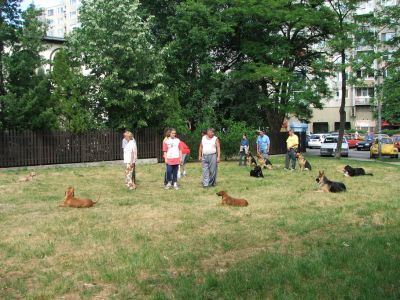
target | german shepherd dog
[
  {"x": 349, "y": 171},
  {"x": 329, "y": 186},
  {"x": 264, "y": 163},
  {"x": 257, "y": 172},
  {"x": 251, "y": 161},
  {"x": 303, "y": 163}
]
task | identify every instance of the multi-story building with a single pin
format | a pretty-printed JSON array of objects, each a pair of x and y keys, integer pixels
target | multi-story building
[
  {"x": 359, "y": 105},
  {"x": 61, "y": 17}
]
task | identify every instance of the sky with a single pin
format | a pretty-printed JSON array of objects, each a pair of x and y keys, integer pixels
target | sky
[{"x": 40, "y": 3}]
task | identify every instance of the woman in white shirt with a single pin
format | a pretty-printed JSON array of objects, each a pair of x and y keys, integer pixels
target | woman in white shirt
[{"x": 130, "y": 157}]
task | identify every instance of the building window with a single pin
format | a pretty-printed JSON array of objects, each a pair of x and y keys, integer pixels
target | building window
[
  {"x": 72, "y": 14},
  {"x": 60, "y": 10},
  {"x": 365, "y": 92},
  {"x": 50, "y": 12},
  {"x": 364, "y": 74},
  {"x": 387, "y": 36},
  {"x": 72, "y": 2}
]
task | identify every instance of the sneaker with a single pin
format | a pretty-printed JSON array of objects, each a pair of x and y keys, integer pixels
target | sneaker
[
  {"x": 286, "y": 169},
  {"x": 168, "y": 186},
  {"x": 176, "y": 187}
]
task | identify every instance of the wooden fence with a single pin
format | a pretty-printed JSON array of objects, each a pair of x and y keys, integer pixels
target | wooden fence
[{"x": 29, "y": 148}]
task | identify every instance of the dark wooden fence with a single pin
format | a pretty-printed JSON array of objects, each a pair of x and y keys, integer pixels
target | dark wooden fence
[{"x": 29, "y": 148}]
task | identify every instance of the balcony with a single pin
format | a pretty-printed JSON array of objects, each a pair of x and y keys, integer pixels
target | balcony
[{"x": 363, "y": 101}]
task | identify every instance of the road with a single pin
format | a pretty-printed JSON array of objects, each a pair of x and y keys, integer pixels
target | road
[{"x": 352, "y": 153}]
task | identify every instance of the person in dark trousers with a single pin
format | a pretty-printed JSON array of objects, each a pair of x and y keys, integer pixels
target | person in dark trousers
[
  {"x": 243, "y": 150},
  {"x": 292, "y": 144}
]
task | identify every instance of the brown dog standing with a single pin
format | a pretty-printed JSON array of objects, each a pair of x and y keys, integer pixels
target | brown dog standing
[
  {"x": 71, "y": 201},
  {"x": 228, "y": 200}
]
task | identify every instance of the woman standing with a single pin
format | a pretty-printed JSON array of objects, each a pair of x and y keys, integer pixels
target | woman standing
[
  {"x": 130, "y": 157},
  {"x": 167, "y": 134},
  {"x": 172, "y": 149},
  {"x": 244, "y": 149},
  {"x": 185, "y": 157}
]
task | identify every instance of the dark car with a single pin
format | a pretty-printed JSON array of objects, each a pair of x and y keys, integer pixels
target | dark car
[{"x": 366, "y": 144}]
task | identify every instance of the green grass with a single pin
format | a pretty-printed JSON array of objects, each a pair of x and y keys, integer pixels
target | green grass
[{"x": 289, "y": 243}]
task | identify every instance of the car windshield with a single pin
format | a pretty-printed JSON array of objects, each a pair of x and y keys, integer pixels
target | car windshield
[
  {"x": 315, "y": 137},
  {"x": 385, "y": 141},
  {"x": 396, "y": 138},
  {"x": 330, "y": 140}
]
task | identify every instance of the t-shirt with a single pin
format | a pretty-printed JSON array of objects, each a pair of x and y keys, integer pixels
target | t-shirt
[
  {"x": 292, "y": 141},
  {"x": 130, "y": 148},
  {"x": 172, "y": 147},
  {"x": 263, "y": 142},
  {"x": 244, "y": 142},
  {"x": 209, "y": 145},
  {"x": 185, "y": 148}
]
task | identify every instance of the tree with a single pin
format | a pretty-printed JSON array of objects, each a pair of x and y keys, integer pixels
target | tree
[
  {"x": 27, "y": 103},
  {"x": 115, "y": 44},
  {"x": 71, "y": 91},
  {"x": 9, "y": 22},
  {"x": 262, "y": 51},
  {"x": 349, "y": 33}
]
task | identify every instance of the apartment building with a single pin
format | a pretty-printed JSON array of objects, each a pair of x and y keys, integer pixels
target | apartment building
[
  {"x": 359, "y": 107},
  {"x": 61, "y": 17}
]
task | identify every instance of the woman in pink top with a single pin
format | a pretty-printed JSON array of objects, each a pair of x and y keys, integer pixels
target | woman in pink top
[{"x": 172, "y": 149}]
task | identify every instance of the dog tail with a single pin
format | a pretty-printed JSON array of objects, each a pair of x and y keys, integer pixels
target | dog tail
[
  {"x": 98, "y": 198},
  {"x": 369, "y": 174}
]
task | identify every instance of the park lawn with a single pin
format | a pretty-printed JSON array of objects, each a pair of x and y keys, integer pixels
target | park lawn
[{"x": 291, "y": 242}]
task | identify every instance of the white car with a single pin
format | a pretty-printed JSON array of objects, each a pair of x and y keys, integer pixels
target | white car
[
  {"x": 328, "y": 147},
  {"x": 316, "y": 140}
]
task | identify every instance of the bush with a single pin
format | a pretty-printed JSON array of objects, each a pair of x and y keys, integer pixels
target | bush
[{"x": 229, "y": 138}]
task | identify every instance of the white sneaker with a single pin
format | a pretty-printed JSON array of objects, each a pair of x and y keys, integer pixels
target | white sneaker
[
  {"x": 176, "y": 186},
  {"x": 168, "y": 186}
]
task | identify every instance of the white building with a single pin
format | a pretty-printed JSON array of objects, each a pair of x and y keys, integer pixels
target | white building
[
  {"x": 359, "y": 108},
  {"x": 61, "y": 17}
]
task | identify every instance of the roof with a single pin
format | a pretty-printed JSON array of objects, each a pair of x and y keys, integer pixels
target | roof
[{"x": 54, "y": 39}]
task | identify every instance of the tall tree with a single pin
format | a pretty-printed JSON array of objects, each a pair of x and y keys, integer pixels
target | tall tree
[
  {"x": 342, "y": 42},
  {"x": 27, "y": 103},
  {"x": 264, "y": 48},
  {"x": 115, "y": 44},
  {"x": 9, "y": 22},
  {"x": 71, "y": 91}
]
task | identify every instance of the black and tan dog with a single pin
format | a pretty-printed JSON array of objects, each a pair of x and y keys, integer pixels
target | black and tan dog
[
  {"x": 303, "y": 163},
  {"x": 326, "y": 185},
  {"x": 349, "y": 171},
  {"x": 257, "y": 172},
  {"x": 251, "y": 161},
  {"x": 264, "y": 163}
]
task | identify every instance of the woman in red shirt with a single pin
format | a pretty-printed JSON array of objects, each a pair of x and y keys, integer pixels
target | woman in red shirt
[{"x": 185, "y": 157}]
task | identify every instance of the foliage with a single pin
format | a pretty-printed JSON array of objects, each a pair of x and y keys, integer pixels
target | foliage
[
  {"x": 115, "y": 44},
  {"x": 256, "y": 54},
  {"x": 27, "y": 103},
  {"x": 71, "y": 90}
]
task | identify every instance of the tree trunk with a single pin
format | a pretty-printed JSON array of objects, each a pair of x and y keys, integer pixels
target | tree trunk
[{"x": 342, "y": 110}]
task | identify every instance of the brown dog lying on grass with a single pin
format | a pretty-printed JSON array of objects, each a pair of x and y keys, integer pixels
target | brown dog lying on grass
[
  {"x": 71, "y": 201},
  {"x": 228, "y": 200},
  {"x": 27, "y": 178}
]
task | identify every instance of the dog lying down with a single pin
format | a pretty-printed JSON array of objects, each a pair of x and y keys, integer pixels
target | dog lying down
[
  {"x": 228, "y": 200},
  {"x": 257, "y": 172},
  {"x": 349, "y": 171},
  {"x": 329, "y": 186},
  {"x": 27, "y": 178},
  {"x": 71, "y": 201}
]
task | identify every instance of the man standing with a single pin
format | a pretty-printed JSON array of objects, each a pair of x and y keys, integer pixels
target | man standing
[
  {"x": 292, "y": 143},
  {"x": 210, "y": 156},
  {"x": 263, "y": 144}
]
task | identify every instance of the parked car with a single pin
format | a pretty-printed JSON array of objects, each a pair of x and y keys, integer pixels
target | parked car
[
  {"x": 396, "y": 140},
  {"x": 388, "y": 148},
  {"x": 351, "y": 140},
  {"x": 328, "y": 147},
  {"x": 316, "y": 140}
]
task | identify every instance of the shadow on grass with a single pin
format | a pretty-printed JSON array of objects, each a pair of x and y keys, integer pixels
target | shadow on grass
[{"x": 365, "y": 266}]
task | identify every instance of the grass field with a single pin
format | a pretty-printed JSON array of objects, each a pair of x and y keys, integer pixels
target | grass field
[{"x": 289, "y": 243}]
